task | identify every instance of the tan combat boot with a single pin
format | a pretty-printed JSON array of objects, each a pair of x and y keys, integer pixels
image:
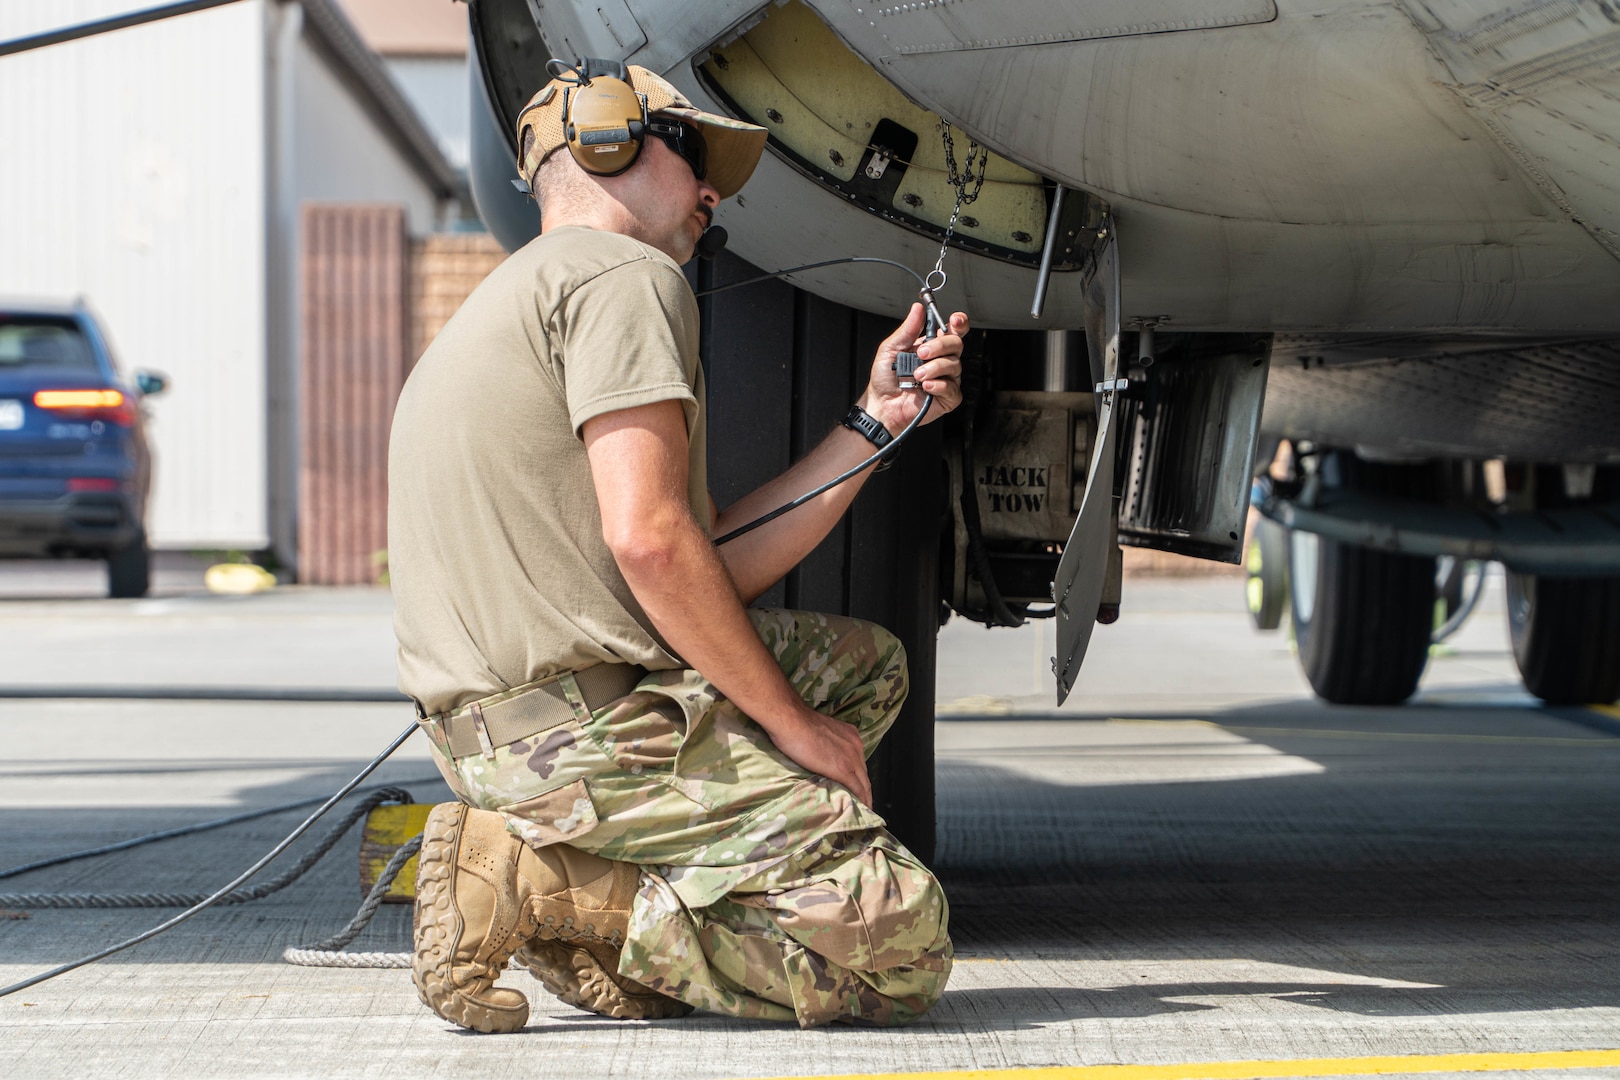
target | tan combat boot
[
  {"x": 481, "y": 893},
  {"x": 586, "y": 976},
  {"x": 575, "y": 949}
]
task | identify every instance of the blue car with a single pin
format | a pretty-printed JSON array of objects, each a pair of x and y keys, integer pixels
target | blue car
[{"x": 74, "y": 465}]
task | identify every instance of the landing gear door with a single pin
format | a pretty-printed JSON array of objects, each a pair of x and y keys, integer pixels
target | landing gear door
[
  {"x": 1078, "y": 587},
  {"x": 1190, "y": 431}
]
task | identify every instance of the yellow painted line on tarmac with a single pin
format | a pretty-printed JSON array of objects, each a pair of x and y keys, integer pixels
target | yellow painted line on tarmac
[
  {"x": 1415, "y": 736},
  {"x": 1377, "y": 736},
  {"x": 1607, "y": 710},
  {"x": 1259, "y": 1070}
]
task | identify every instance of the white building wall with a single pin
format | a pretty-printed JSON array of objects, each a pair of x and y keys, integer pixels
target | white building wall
[
  {"x": 438, "y": 87},
  {"x": 133, "y": 175},
  {"x": 335, "y": 151},
  {"x": 341, "y": 153}
]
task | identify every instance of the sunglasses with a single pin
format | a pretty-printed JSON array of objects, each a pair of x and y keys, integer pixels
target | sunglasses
[{"x": 683, "y": 138}]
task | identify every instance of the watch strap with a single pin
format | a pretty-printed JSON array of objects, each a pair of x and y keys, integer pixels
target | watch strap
[{"x": 858, "y": 419}]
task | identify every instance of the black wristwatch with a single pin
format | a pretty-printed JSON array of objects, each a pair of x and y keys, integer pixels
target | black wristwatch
[{"x": 864, "y": 422}]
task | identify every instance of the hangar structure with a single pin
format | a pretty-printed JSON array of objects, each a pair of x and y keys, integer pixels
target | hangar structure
[{"x": 160, "y": 172}]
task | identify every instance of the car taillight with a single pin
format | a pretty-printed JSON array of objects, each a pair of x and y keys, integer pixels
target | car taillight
[
  {"x": 108, "y": 405},
  {"x": 92, "y": 483}
]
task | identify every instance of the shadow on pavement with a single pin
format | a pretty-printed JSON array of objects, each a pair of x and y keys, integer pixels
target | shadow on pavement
[
  {"x": 1468, "y": 860},
  {"x": 1476, "y": 872}
]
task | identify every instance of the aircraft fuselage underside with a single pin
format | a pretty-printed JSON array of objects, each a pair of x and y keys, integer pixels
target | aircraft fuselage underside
[{"x": 1396, "y": 223}]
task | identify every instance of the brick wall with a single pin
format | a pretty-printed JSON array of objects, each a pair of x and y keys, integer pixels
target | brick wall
[
  {"x": 373, "y": 300},
  {"x": 1146, "y": 562},
  {"x": 445, "y": 268},
  {"x": 355, "y": 328}
]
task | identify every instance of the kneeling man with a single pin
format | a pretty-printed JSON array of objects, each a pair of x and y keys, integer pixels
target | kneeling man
[{"x": 664, "y": 802}]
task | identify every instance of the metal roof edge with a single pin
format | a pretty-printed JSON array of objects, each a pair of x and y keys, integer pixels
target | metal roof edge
[{"x": 365, "y": 72}]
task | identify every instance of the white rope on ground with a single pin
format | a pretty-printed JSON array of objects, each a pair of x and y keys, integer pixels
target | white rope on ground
[
  {"x": 229, "y": 887},
  {"x": 329, "y": 953},
  {"x": 338, "y": 959}
]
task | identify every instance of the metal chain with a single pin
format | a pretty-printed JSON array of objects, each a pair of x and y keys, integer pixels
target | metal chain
[{"x": 964, "y": 196}]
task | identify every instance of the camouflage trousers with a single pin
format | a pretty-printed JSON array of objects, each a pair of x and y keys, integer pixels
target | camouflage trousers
[{"x": 766, "y": 892}]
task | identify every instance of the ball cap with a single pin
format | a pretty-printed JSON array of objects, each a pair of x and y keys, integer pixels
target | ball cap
[{"x": 734, "y": 145}]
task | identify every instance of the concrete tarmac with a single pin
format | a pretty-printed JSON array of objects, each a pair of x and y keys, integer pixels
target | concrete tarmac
[{"x": 1192, "y": 862}]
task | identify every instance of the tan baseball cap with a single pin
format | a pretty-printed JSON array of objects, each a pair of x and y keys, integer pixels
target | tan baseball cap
[{"x": 734, "y": 145}]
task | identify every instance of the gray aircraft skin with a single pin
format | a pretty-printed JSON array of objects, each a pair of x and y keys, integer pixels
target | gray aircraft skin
[
  {"x": 1408, "y": 212},
  {"x": 1417, "y": 165}
]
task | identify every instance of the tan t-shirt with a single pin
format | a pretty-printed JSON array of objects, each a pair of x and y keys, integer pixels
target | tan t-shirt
[{"x": 495, "y": 551}]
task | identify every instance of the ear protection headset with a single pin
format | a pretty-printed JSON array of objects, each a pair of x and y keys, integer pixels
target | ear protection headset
[{"x": 604, "y": 119}]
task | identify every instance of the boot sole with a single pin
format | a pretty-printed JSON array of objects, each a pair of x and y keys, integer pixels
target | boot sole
[
  {"x": 578, "y": 978},
  {"x": 438, "y": 927}
]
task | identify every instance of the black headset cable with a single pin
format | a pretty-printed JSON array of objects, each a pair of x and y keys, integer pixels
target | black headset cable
[
  {"x": 892, "y": 448},
  {"x": 888, "y": 451},
  {"x": 225, "y": 889}
]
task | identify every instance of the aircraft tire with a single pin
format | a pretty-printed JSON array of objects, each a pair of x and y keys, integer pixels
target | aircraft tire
[
  {"x": 1266, "y": 564},
  {"x": 129, "y": 571},
  {"x": 1362, "y": 619},
  {"x": 1566, "y": 637}
]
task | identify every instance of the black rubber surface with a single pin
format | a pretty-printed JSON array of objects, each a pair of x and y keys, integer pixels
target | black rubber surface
[
  {"x": 1367, "y": 640},
  {"x": 1266, "y": 562},
  {"x": 129, "y": 572},
  {"x": 1566, "y": 637},
  {"x": 1566, "y": 631}
]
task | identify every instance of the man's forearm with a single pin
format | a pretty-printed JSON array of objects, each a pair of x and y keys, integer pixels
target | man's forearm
[
  {"x": 759, "y": 559},
  {"x": 685, "y": 590},
  {"x": 638, "y": 462}
]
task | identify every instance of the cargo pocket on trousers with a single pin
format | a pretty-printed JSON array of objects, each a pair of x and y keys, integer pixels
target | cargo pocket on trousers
[
  {"x": 558, "y": 817},
  {"x": 688, "y": 772}
]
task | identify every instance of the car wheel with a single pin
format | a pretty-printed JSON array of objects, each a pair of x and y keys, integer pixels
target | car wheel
[{"x": 129, "y": 572}]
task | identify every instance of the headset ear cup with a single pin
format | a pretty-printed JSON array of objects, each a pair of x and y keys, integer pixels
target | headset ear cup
[
  {"x": 604, "y": 123},
  {"x": 571, "y": 140},
  {"x": 632, "y": 151}
]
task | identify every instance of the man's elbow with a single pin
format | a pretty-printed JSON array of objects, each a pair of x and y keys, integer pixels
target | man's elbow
[{"x": 648, "y": 547}]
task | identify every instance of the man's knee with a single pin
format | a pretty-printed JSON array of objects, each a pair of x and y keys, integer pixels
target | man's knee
[
  {"x": 882, "y": 659},
  {"x": 891, "y": 654},
  {"x": 907, "y": 922},
  {"x": 911, "y": 991},
  {"x": 890, "y": 912}
]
